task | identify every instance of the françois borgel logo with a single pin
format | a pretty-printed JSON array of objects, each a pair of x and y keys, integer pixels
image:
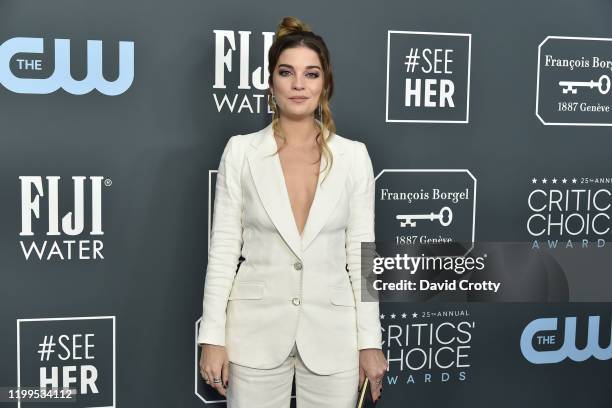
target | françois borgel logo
[
  {"x": 25, "y": 67},
  {"x": 238, "y": 88},
  {"x": 426, "y": 206},
  {"x": 574, "y": 83},
  {"x": 544, "y": 342},
  {"x": 428, "y": 77},
  {"x": 39, "y": 221},
  {"x": 569, "y": 212},
  {"x": 69, "y": 352}
]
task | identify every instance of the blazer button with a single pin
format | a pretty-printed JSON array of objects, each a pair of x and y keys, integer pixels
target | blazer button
[
  {"x": 297, "y": 266},
  {"x": 296, "y": 301}
]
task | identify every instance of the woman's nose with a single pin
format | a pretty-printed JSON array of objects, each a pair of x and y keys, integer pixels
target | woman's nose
[{"x": 297, "y": 83}]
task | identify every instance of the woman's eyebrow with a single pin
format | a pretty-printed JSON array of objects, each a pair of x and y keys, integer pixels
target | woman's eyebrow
[{"x": 291, "y": 66}]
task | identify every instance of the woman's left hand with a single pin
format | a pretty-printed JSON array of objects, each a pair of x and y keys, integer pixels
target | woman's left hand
[{"x": 372, "y": 364}]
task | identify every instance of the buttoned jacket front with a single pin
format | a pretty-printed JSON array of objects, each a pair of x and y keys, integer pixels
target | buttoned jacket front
[{"x": 289, "y": 287}]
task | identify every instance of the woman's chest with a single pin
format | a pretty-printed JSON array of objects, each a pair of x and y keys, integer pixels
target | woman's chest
[
  {"x": 300, "y": 176},
  {"x": 290, "y": 192}
]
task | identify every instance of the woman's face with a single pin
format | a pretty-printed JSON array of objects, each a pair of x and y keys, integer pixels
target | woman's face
[{"x": 297, "y": 82}]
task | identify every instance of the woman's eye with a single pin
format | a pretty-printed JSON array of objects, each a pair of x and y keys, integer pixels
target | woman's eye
[{"x": 310, "y": 74}]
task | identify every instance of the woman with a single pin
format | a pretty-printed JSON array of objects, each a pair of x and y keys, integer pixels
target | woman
[{"x": 292, "y": 308}]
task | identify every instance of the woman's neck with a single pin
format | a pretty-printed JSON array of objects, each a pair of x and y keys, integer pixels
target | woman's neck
[{"x": 299, "y": 132}]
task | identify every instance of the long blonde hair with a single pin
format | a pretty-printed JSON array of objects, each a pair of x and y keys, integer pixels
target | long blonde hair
[{"x": 291, "y": 33}]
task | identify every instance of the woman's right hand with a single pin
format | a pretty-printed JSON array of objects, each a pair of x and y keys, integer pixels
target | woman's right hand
[{"x": 214, "y": 364}]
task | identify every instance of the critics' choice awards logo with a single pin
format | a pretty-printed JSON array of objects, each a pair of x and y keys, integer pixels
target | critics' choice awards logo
[
  {"x": 569, "y": 212},
  {"x": 25, "y": 67},
  {"x": 544, "y": 341},
  {"x": 42, "y": 202},
  {"x": 428, "y": 77},
  {"x": 427, "y": 347},
  {"x": 426, "y": 206},
  {"x": 242, "y": 89},
  {"x": 574, "y": 81},
  {"x": 69, "y": 352}
]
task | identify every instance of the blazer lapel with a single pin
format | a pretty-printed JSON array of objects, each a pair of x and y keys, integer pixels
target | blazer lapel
[
  {"x": 269, "y": 182},
  {"x": 328, "y": 192}
]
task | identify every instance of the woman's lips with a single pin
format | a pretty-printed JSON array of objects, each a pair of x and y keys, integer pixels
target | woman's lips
[{"x": 298, "y": 100}]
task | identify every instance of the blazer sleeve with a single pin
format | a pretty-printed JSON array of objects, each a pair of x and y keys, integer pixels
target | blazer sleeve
[
  {"x": 361, "y": 229},
  {"x": 225, "y": 247}
]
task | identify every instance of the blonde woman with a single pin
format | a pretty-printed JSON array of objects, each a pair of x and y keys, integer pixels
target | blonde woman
[{"x": 296, "y": 200}]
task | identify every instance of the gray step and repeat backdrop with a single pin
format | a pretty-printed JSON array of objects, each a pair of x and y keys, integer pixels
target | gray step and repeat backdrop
[{"x": 487, "y": 123}]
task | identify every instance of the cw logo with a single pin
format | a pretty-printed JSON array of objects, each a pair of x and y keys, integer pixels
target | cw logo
[
  {"x": 61, "y": 77},
  {"x": 568, "y": 349}
]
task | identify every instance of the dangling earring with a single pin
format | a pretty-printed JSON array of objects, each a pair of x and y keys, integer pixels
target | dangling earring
[
  {"x": 274, "y": 106},
  {"x": 320, "y": 108}
]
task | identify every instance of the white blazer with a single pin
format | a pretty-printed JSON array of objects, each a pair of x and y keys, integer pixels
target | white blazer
[{"x": 290, "y": 287}]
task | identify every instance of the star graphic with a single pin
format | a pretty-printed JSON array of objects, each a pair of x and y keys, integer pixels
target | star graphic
[
  {"x": 534, "y": 180},
  {"x": 382, "y": 316},
  {"x": 554, "y": 180},
  {"x": 414, "y": 315},
  {"x": 393, "y": 315},
  {"x": 574, "y": 180},
  {"x": 544, "y": 180},
  {"x": 564, "y": 180},
  {"x": 404, "y": 315}
]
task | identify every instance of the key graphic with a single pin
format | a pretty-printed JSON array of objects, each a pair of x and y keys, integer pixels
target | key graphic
[
  {"x": 445, "y": 216},
  {"x": 603, "y": 85}
]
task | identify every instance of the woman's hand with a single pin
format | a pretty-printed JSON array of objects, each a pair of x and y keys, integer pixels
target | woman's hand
[
  {"x": 372, "y": 364},
  {"x": 214, "y": 364}
]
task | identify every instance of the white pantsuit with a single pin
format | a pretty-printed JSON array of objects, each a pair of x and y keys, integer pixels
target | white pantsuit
[
  {"x": 291, "y": 288},
  {"x": 271, "y": 388}
]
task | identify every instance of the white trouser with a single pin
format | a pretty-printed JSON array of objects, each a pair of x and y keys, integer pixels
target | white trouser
[{"x": 271, "y": 388}]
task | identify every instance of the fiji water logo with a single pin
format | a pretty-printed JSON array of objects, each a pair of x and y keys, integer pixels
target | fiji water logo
[
  {"x": 48, "y": 231},
  {"x": 538, "y": 332},
  {"x": 61, "y": 77}
]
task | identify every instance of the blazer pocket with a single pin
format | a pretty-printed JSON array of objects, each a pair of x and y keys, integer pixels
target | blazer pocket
[
  {"x": 342, "y": 297},
  {"x": 247, "y": 290}
]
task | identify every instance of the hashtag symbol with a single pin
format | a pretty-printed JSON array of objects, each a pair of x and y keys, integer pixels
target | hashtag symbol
[
  {"x": 46, "y": 347},
  {"x": 412, "y": 60}
]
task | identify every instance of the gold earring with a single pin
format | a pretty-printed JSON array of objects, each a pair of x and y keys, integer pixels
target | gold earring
[{"x": 274, "y": 106}]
